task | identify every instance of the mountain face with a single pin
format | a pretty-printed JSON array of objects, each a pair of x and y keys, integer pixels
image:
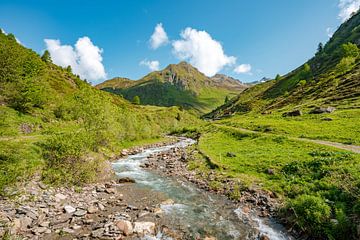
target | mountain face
[
  {"x": 177, "y": 85},
  {"x": 330, "y": 78}
]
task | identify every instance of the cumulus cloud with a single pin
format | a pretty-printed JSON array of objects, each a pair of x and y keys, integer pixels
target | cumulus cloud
[
  {"x": 84, "y": 58},
  {"x": 202, "y": 51},
  {"x": 152, "y": 65},
  {"x": 159, "y": 37},
  {"x": 347, "y": 8},
  {"x": 243, "y": 68}
]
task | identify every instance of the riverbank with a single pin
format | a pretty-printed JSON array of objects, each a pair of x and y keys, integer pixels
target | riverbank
[{"x": 119, "y": 209}]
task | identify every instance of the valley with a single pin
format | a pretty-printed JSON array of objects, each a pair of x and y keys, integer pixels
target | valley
[{"x": 185, "y": 152}]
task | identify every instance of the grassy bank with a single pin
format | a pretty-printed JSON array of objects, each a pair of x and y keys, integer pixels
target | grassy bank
[
  {"x": 341, "y": 126},
  {"x": 318, "y": 184}
]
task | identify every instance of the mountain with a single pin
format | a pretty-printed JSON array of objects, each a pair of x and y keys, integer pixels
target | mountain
[
  {"x": 59, "y": 127},
  {"x": 177, "y": 85},
  {"x": 330, "y": 78}
]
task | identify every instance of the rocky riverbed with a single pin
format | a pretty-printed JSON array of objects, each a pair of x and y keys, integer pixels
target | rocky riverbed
[{"x": 139, "y": 206}]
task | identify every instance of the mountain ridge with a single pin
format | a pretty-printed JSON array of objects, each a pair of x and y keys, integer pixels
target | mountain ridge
[{"x": 177, "y": 85}]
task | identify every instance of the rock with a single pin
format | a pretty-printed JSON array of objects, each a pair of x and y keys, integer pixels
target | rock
[
  {"x": 125, "y": 227},
  {"x": 60, "y": 197},
  {"x": 270, "y": 171},
  {"x": 144, "y": 228},
  {"x": 42, "y": 185},
  {"x": 26, "y": 128},
  {"x": 124, "y": 152},
  {"x": 126, "y": 180},
  {"x": 68, "y": 230},
  {"x": 39, "y": 230},
  {"x": 69, "y": 209},
  {"x": 80, "y": 213},
  {"x": 92, "y": 209},
  {"x": 327, "y": 119},
  {"x": 293, "y": 113},
  {"x": 101, "y": 207},
  {"x": 158, "y": 211},
  {"x": 209, "y": 238},
  {"x": 230, "y": 154},
  {"x": 16, "y": 226},
  {"x": 168, "y": 202},
  {"x": 110, "y": 190},
  {"x": 320, "y": 110},
  {"x": 44, "y": 224},
  {"x": 25, "y": 223},
  {"x": 76, "y": 227},
  {"x": 264, "y": 237},
  {"x": 98, "y": 233}
]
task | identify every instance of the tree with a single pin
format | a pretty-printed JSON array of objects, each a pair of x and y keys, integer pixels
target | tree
[
  {"x": 69, "y": 69},
  {"x": 278, "y": 77},
  {"x": 136, "y": 100},
  {"x": 46, "y": 57},
  {"x": 350, "y": 50},
  {"x": 320, "y": 47},
  {"x": 226, "y": 99}
]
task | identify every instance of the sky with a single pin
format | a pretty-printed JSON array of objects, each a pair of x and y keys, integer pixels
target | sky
[{"x": 246, "y": 39}]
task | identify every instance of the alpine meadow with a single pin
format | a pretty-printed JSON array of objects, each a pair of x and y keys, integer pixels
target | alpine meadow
[{"x": 246, "y": 125}]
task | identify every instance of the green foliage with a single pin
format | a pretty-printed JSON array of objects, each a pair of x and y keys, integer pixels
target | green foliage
[
  {"x": 312, "y": 213},
  {"x": 345, "y": 64},
  {"x": 69, "y": 69},
  {"x": 320, "y": 47},
  {"x": 136, "y": 100},
  {"x": 277, "y": 77},
  {"x": 66, "y": 160},
  {"x": 18, "y": 161},
  {"x": 350, "y": 50},
  {"x": 226, "y": 99},
  {"x": 46, "y": 57}
]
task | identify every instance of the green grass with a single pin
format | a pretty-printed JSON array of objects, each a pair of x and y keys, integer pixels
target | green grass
[
  {"x": 344, "y": 127},
  {"x": 304, "y": 173}
]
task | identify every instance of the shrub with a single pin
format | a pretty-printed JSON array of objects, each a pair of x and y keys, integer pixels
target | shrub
[
  {"x": 66, "y": 159},
  {"x": 312, "y": 213}
]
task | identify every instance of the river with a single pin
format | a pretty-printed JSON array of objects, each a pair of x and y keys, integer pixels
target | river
[{"x": 195, "y": 212}]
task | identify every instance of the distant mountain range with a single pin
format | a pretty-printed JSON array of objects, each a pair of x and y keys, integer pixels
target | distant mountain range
[{"x": 177, "y": 85}]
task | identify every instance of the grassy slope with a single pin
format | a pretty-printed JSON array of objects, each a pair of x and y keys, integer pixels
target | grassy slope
[
  {"x": 317, "y": 183},
  {"x": 330, "y": 78},
  {"x": 301, "y": 170},
  {"x": 177, "y": 85},
  {"x": 56, "y": 125}
]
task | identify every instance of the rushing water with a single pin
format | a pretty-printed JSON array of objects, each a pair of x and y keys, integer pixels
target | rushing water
[{"x": 196, "y": 212}]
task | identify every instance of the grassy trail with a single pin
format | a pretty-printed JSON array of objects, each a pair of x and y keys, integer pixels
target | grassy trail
[{"x": 351, "y": 148}]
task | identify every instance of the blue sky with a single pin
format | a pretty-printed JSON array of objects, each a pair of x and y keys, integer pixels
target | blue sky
[{"x": 271, "y": 36}]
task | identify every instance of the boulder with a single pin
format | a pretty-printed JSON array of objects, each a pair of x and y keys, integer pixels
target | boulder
[
  {"x": 144, "y": 228},
  {"x": 60, "y": 197},
  {"x": 80, "y": 213},
  {"x": 125, "y": 227},
  {"x": 293, "y": 113},
  {"x": 230, "y": 154},
  {"x": 320, "y": 110},
  {"x": 92, "y": 209},
  {"x": 69, "y": 209},
  {"x": 126, "y": 180}
]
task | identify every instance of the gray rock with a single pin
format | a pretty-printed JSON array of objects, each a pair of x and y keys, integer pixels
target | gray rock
[
  {"x": 69, "y": 209},
  {"x": 126, "y": 180},
  {"x": 320, "y": 110},
  {"x": 144, "y": 228},
  {"x": 98, "y": 233},
  {"x": 80, "y": 213},
  {"x": 293, "y": 113}
]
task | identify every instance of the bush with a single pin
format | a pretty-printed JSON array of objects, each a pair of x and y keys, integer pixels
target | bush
[
  {"x": 66, "y": 159},
  {"x": 312, "y": 213}
]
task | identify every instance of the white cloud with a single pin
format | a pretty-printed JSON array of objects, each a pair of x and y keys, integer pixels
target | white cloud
[
  {"x": 202, "y": 51},
  {"x": 152, "y": 65},
  {"x": 243, "y": 68},
  {"x": 329, "y": 32},
  {"x": 159, "y": 37},
  {"x": 85, "y": 58},
  {"x": 347, "y": 8}
]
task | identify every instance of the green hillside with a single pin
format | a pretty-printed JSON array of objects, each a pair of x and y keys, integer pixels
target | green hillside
[
  {"x": 330, "y": 78},
  {"x": 55, "y": 125},
  {"x": 177, "y": 85}
]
